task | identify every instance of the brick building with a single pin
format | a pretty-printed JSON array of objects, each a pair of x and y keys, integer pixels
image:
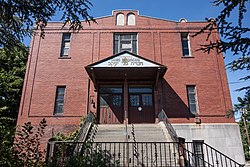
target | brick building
[{"x": 128, "y": 68}]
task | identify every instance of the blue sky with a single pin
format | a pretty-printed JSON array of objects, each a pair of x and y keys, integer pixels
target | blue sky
[{"x": 192, "y": 10}]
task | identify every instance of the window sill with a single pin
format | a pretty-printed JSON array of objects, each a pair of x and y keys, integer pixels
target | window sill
[
  {"x": 58, "y": 115},
  {"x": 187, "y": 57},
  {"x": 64, "y": 57}
]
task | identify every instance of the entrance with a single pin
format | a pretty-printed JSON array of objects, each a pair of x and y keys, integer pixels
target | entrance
[
  {"x": 111, "y": 104},
  {"x": 141, "y": 106}
]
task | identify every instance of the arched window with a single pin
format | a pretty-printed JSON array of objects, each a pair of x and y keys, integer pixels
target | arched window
[
  {"x": 131, "y": 19},
  {"x": 120, "y": 19}
]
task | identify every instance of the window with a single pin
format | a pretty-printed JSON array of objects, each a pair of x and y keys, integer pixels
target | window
[
  {"x": 185, "y": 44},
  {"x": 134, "y": 100},
  {"x": 120, "y": 19},
  {"x": 125, "y": 42},
  {"x": 147, "y": 100},
  {"x": 192, "y": 99},
  {"x": 65, "y": 45},
  {"x": 110, "y": 95},
  {"x": 131, "y": 19},
  {"x": 198, "y": 153},
  {"x": 59, "y": 101}
]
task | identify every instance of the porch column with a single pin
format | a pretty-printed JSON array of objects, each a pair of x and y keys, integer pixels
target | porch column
[{"x": 125, "y": 97}]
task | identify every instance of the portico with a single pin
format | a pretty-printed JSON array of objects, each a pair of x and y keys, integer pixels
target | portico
[{"x": 126, "y": 84}]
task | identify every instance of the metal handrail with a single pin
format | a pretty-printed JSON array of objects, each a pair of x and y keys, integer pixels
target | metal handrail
[
  {"x": 151, "y": 153},
  {"x": 164, "y": 118},
  {"x": 225, "y": 156},
  {"x": 85, "y": 128},
  {"x": 186, "y": 153}
]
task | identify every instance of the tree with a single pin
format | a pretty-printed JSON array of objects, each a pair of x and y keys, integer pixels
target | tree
[
  {"x": 234, "y": 34},
  {"x": 26, "y": 150},
  {"x": 12, "y": 70},
  {"x": 17, "y": 18},
  {"x": 244, "y": 108}
]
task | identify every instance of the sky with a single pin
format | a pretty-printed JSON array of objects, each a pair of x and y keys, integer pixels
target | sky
[{"x": 192, "y": 10}]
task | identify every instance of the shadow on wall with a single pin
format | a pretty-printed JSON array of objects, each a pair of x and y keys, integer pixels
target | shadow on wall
[{"x": 172, "y": 104}]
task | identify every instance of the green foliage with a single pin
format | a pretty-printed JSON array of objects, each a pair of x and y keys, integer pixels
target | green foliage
[
  {"x": 244, "y": 137},
  {"x": 71, "y": 136},
  {"x": 12, "y": 71},
  {"x": 89, "y": 156},
  {"x": 7, "y": 131},
  {"x": 17, "y": 18},
  {"x": 27, "y": 147},
  {"x": 243, "y": 108}
]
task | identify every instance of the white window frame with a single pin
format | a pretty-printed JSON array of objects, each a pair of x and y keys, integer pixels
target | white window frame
[
  {"x": 195, "y": 98},
  {"x": 188, "y": 41},
  {"x": 63, "y": 46},
  {"x": 117, "y": 48}
]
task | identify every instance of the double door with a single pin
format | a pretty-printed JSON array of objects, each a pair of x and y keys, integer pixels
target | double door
[{"x": 112, "y": 104}]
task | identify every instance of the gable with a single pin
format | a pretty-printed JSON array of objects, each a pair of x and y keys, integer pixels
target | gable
[{"x": 126, "y": 59}]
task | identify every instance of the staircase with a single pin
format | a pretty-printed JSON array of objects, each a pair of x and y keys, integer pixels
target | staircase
[
  {"x": 137, "y": 144},
  {"x": 123, "y": 133}
]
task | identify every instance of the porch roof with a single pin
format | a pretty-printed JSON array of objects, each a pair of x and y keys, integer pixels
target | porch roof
[{"x": 125, "y": 65}]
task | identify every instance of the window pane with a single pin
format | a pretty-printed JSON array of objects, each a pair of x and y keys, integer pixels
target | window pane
[
  {"x": 125, "y": 42},
  {"x": 65, "y": 51},
  {"x": 66, "y": 44},
  {"x": 138, "y": 89},
  {"x": 191, "y": 89},
  {"x": 129, "y": 49},
  {"x": 125, "y": 36},
  {"x": 117, "y": 100},
  {"x": 134, "y": 100},
  {"x": 134, "y": 47},
  {"x": 59, "y": 101},
  {"x": 110, "y": 89},
  {"x": 131, "y": 19},
  {"x": 192, "y": 99},
  {"x": 66, "y": 36},
  {"x": 103, "y": 101},
  {"x": 120, "y": 19},
  {"x": 185, "y": 44},
  {"x": 126, "y": 45},
  {"x": 134, "y": 37},
  {"x": 147, "y": 100}
]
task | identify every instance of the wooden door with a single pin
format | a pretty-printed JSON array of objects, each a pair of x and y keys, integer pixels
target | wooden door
[
  {"x": 141, "y": 106},
  {"x": 110, "y": 104}
]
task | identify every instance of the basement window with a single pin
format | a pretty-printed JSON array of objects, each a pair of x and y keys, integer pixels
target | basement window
[{"x": 198, "y": 155}]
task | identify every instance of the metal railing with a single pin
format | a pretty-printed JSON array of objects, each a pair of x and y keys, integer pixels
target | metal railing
[
  {"x": 162, "y": 116},
  {"x": 85, "y": 128},
  {"x": 161, "y": 154}
]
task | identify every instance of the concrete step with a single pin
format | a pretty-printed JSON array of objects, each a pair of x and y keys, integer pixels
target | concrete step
[{"x": 142, "y": 133}]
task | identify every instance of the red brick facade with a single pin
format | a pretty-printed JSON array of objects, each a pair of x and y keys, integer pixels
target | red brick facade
[{"x": 158, "y": 40}]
